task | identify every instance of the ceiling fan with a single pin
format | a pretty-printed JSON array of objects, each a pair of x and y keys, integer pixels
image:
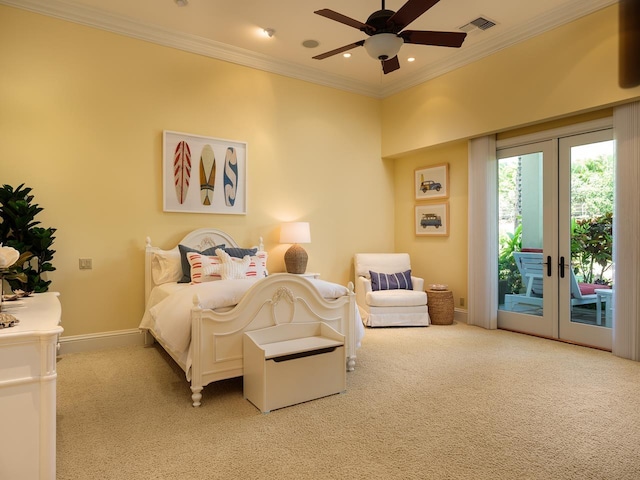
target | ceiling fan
[{"x": 386, "y": 34}]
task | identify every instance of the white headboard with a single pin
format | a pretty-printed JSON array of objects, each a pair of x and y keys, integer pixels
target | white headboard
[
  {"x": 200, "y": 239},
  {"x": 207, "y": 237}
]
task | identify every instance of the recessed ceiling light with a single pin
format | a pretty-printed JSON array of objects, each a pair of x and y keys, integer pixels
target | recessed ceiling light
[
  {"x": 310, "y": 43},
  {"x": 411, "y": 59},
  {"x": 268, "y": 32},
  {"x": 346, "y": 55}
]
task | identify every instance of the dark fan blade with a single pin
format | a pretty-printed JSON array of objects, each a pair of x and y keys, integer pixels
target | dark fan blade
[
  {"x": 409, "y": 12},
  {"x": 338, "y": 17},
  {"x": 390, "y": 65},
  {"x": 439, "y": 39},
  {"x": 322, "y": 56}
]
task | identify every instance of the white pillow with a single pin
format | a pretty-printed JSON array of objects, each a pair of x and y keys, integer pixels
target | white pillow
[
  {"x": 166, "y": 266},
  {"x": 204, "y": 268},
  {"x": 233, "y": 268},
  {"x": 329, "y": 289}
]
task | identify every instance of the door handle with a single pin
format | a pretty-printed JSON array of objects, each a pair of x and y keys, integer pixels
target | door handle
[
  {"x": 548, "y": 264},
  {"x": 561, "y": 265}
]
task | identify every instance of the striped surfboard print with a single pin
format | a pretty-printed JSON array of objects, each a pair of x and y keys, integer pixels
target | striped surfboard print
[
  {"x": 182, "y": 170},
  {"x": 230, "y": 178},
  {"x": 207, "y": 174}
]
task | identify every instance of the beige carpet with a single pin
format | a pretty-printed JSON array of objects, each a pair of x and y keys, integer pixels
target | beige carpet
[{"x": 443, "y": 402}]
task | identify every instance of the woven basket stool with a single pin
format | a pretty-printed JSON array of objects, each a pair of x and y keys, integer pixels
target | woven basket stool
[{"x": 440, "y": 304}]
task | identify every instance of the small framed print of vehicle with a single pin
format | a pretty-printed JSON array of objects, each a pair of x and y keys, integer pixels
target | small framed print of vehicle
[
  {"x": 432, "y": 219},
  {"x": 430, "y": 185},
  {"x": 432, "y": 182}
]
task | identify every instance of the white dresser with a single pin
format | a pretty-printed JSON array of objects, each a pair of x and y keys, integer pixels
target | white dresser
[{"x": 28, "y": 388}]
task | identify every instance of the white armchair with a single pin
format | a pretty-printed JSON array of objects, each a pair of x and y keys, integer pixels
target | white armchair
[{"x": 392, "y": 307}]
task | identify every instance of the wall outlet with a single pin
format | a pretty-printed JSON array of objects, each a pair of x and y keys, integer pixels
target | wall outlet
[
  {"x": 85, "y": 263},
  {"x": 462, "y": 301}
]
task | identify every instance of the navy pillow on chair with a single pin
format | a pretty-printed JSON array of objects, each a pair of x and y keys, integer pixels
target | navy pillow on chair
[{"x": 393, "y": 281}]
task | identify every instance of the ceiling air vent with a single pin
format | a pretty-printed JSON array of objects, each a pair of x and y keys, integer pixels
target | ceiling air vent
[{"x": 481, "y": 23}]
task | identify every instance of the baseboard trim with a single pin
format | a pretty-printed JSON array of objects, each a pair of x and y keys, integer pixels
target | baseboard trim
[
  {"x": 100, "y": 341},
  {"x": 460, "y": 315},
  {"x": 133, "y": 337}
]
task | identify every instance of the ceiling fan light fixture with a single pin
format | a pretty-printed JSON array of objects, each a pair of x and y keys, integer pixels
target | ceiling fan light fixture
[{"x": 383, "y": 46}]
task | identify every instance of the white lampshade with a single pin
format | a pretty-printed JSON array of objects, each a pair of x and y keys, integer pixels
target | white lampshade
[
  {"x": 383, "y": 46},
  {"x": 295, "y": 232}
]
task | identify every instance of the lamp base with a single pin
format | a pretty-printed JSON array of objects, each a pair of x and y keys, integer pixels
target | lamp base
[{"x": 295, "y": 259}]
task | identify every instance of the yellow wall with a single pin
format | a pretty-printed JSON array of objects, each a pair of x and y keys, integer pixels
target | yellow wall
[
  {"x": 81, "y": 121},
  {"x": 571, "y": 69},
  {"x": 436, "y": 259},
  {"x": 567, "y": 75}
]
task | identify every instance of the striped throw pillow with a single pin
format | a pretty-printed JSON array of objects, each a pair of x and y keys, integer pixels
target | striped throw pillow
[
  {"x": 204, "y": 268},
  {"x": 393, "y": 281}
]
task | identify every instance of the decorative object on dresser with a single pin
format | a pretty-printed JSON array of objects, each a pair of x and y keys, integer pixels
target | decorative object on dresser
[
  {"x": 19, "y": 229},
  {"x": 201, "y": 324},
  {"x": 10, "y": 263},
  {"x": 204, "y": 174},
  {"x": 296, "y": 257},
  {"x": 386, "y": 293},
  {"x": 8, "y": 257},
  {"x": 440, "y": 304},
  {"x": 28, "y": 388}
]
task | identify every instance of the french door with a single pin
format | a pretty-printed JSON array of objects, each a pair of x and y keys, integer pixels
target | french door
[{"x": 555, "y": 204}]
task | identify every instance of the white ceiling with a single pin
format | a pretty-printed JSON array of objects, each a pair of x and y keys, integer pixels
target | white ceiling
[{"x": 230, "y": 30}]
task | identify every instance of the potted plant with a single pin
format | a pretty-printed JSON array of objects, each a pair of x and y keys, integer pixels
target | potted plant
[
  {"x": 20, "y": 230},
  {"x": 509, "y": 279}
]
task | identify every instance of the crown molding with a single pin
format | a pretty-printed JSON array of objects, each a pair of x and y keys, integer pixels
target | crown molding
[{"x": 100, "y": 19}]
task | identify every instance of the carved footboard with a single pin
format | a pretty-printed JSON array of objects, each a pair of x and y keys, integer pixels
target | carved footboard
[{"x": 216, "y": 338}]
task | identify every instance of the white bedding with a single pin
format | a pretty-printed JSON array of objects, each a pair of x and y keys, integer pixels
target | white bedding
[{"x": 169, "y": 306}]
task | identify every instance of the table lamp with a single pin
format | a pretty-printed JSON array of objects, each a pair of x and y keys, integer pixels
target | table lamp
[{"x": 295, "y": 258}]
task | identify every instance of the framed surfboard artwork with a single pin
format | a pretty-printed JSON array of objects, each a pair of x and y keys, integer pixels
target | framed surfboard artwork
[{"x": 203, "y": 174}]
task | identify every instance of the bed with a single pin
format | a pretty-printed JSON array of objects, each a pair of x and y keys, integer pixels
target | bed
[{"x": 200, "y": 323}]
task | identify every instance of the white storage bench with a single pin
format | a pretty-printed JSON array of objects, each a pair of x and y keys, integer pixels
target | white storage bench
[{"x": 293, "y": 363}]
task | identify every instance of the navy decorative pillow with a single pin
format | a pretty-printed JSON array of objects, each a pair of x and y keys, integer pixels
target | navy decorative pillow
[
  {"x": 393, "y": 281},
  {"x": 240, "y": 252},
  {"x": 186, "y": 266}
]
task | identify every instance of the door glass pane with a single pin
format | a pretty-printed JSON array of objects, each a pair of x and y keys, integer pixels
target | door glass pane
[
  {"x": 592, "y": 189},
  {"x": 520, "y": 215}
]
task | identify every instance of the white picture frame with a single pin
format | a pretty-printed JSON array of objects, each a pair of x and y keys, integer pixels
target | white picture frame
[{"x": 203, "y": 174}]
